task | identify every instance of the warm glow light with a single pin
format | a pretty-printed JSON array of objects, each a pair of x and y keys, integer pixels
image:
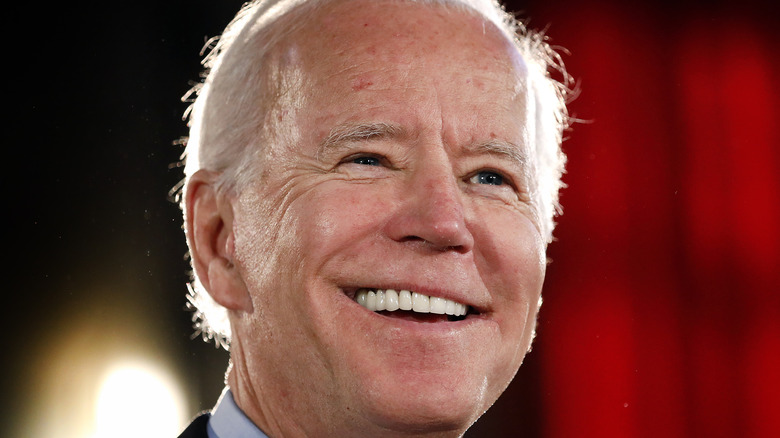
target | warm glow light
[{"x": 136, "y": 400}]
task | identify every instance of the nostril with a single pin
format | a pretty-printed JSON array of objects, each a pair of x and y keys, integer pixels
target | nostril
[{"x": 441, "y": 245}]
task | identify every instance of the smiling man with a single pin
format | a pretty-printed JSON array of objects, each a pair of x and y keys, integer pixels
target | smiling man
[{"x": 369, "y": 194}]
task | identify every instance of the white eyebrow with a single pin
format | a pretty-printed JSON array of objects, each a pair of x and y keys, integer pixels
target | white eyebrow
[
  {"x": 512, "y": 152},
  {"x": 357, "y": 132},
  {"x": 347, "y": 133}
]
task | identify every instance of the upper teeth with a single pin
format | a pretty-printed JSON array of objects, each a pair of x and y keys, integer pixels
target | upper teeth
[{"x": 391, "y": 300}]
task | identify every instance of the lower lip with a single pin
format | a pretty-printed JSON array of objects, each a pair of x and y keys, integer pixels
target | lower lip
[{"x": 420, "y": 318}]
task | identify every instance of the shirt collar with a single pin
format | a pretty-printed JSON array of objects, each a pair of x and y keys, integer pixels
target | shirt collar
[{"x": 229, "y": 421}]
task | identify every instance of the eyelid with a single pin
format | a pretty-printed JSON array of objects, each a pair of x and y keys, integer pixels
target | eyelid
[
  {"x": 506, "y": 177},
  {"x": 383, "y": 161},
  {"x": 518, "y": 189},
  {"x": 356, "y": 155},
  {"x": 481, "y": 178}
]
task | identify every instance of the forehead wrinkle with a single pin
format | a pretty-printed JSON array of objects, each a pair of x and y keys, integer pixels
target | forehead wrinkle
[{"x": 348, "y": 69}]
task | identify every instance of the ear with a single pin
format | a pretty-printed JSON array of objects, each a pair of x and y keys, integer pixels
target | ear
[{"x": 209, "y": 227}]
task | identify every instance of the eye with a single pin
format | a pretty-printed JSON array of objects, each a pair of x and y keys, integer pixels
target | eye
[
  {"x": 488, "y": 178},
  {"x": 366, "y": 161}
]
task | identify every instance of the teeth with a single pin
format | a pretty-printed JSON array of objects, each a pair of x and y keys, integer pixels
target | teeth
[
  {"x": 380, "y": 301},
  {"x": 391, "y": 300},
  {"x": 371, "y": 300},
  {"x": 421, "y": 303},
  {"x": 405, "y": 300},
  {"x": 438, "y": 305},
  {"x": 451, "y": 307}
]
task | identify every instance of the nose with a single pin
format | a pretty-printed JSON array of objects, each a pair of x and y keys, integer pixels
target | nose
[{"x": 431, "y": 212}]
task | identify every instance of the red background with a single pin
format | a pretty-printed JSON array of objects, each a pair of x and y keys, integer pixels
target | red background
[{"x": 662, "y": 307}]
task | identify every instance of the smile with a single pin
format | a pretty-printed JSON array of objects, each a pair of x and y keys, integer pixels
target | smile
[{"x": 390, "y": 300}]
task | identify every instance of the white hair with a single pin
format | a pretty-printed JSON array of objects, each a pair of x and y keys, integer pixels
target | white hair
[{"x": 225, "y": 119}]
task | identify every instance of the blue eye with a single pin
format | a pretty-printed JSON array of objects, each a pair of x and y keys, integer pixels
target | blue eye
[
  {"x": 367, "y": 161},
  {"x": 488, "y": 178}
]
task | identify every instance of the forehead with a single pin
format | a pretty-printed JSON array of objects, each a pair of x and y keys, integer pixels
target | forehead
[
  {"x": 397, "y": 32},
  {"x": 378, "y": 59}
]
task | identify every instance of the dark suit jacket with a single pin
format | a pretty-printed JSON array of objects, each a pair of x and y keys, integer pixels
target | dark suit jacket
[{"x": 197, "y": 429}]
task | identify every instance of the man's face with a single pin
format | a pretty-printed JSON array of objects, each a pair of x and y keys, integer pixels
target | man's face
[{"x": 400, "y": 158}]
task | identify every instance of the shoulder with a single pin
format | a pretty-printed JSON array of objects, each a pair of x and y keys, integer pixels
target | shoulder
[{"x": 197, "y": 429}]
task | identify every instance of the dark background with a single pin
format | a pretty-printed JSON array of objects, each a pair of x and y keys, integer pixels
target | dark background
[{"x": 661, "y": 315}]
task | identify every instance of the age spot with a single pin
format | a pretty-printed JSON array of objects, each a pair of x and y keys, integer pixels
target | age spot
[{"x": 361, "y": 83}]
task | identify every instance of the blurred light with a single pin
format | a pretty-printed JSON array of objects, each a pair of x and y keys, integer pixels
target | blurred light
[{"x": 137, "y": 400}]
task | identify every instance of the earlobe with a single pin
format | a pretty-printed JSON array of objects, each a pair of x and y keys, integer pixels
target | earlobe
[
  {"x": 209, "y": 222},
  {"x": 226, "y": 286}
]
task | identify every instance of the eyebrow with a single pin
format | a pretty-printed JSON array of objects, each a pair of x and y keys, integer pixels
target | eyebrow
[
  {"x": 357, "y": 132},
  {"x": 348, "y": 133},
  {"x": 510, "y": 151}
]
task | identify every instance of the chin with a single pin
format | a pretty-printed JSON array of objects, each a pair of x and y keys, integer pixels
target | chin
[
  {"x": 426, "y": 419},
  {"x": 419, "y": 406}
]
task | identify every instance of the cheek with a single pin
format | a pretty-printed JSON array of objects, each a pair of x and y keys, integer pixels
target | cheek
[
  {"x": 511, "y": 256},
  {"x": 269, "y": 247},
  {"x": 339, "y": 217}
]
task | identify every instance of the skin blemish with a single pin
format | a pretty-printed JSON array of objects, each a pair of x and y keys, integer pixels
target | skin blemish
[{"x": 361, "y": 83}]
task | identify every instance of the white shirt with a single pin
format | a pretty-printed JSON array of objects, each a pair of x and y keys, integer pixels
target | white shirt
[{"x": 229, "y": 421}]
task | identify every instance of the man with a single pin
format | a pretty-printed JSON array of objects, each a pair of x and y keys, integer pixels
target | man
[{"x": 369, "y": 194}]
